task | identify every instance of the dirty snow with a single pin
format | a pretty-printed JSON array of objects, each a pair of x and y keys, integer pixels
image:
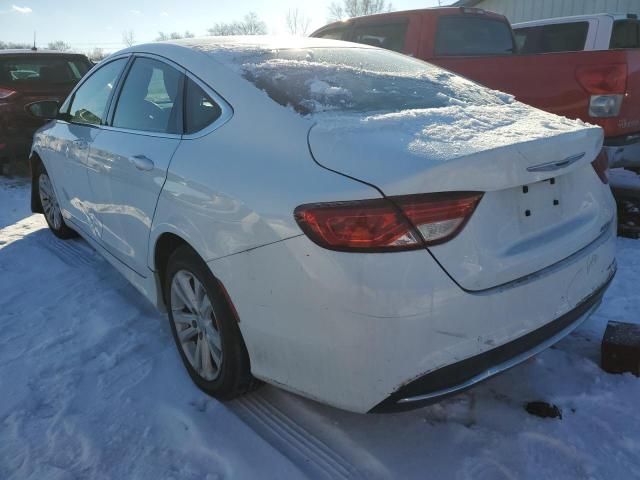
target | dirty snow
[
  {"x": 92, "y": 388},
  {"x": 621, "y": 178}
]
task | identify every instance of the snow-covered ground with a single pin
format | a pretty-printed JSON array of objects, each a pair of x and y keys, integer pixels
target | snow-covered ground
[{"x": 91, "y": 387}]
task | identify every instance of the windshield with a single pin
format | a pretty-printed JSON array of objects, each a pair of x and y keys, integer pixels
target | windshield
[
  {"x": 41, "y": 70},
  {"x": 358, "y": 80}
]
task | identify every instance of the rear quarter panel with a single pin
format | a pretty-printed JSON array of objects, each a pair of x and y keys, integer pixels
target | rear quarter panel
[{"x": 236, "y": 188}]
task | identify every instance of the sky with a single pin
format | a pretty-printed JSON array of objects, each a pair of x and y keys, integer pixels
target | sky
[{"x": 85, "y": 24}]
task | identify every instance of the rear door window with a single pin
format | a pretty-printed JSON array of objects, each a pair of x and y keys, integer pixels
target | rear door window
[
  {"x": 151, "y": 98},
  {"x": 626, "y": 34},
  {"x": 42, "y": 70},
  {"x": 386, "y": 35},
  {"x": 559, "y": 37},
  {"x": 473, "y": 35}
]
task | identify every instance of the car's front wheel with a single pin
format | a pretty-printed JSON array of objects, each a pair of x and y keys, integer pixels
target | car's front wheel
[
  {"x": 51, "y": 207},
  {"x": 204, "y": 327}
]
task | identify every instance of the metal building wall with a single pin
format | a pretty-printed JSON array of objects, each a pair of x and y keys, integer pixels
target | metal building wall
[{"x": 524, "y": 10}]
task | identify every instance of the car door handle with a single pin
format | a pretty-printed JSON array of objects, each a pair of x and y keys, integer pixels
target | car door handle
[{"x": 142, "y": 162}]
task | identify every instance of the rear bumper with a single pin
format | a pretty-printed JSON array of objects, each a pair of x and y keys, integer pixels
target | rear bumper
[
  {"x": 623, "y": 151},
  {"x": 463, "y": 375},
  {"x": 353, "y": 330}
]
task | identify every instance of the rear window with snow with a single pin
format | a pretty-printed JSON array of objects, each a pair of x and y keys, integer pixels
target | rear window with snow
[{"x": 358, "y": 80}]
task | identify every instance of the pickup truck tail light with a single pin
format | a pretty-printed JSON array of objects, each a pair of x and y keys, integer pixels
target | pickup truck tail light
[
  {"x": 6, "y": 93},
  {"x": 390, "y": 224},
  {"x": 601, "y": 166},
  {"x": 607, "y": 85},
  {"x": 603, "y": 79}
]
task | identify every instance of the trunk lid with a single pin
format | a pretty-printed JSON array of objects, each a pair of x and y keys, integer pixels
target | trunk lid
[{"x": 543, "y": 201}]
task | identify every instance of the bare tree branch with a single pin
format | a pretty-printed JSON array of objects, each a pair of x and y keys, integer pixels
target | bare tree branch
[
  {"x": 97, "y": 54},
  {"x": 59, "y": 45},
  {"x": 129, "y": 38},
  {"x": 250, "y": 25},
  {"x": 357, "y": 8},
  {"x": 297, "y": 22}
]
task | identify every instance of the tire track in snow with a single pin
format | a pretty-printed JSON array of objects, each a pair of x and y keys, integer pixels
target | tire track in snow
[
  {"x": 73, "y": 252},
  {"x": 311, "y": 455}
]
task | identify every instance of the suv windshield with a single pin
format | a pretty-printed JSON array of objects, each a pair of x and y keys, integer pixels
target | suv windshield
[
  {"x": 473, "y": 35},
  {"x": 356, "y": 79},
  {"x": 41, "y": 69}
]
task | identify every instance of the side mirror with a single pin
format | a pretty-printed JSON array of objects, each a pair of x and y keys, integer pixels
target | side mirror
[{"x": 44, "y": 110}]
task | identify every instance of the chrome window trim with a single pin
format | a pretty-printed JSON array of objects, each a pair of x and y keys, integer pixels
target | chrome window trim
[
  {"x": 226, "y": 110},
  {"x": 143, "y": 133}
]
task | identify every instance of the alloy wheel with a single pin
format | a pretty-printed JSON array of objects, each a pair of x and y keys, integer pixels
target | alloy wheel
[
  {"x": 49, "y": 202},
  {"x": 196, "y": 325}
]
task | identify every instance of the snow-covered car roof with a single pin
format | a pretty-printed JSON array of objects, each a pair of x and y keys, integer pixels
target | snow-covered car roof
[{"x": 260, "y": 42}]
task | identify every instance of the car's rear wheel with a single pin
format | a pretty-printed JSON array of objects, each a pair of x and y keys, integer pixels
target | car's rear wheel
[
  {"x": 204, "y": 327},
  {"x": 51, "y": 207}
]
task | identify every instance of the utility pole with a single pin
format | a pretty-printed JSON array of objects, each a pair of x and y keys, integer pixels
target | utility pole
[{"x": 34, "y": 48}]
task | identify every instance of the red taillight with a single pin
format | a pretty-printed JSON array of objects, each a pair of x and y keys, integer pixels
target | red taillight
[
  {"x": 439, "y": 217},
  {"x": 6, "y": 93},
  {"x": 601, "y": 166},
  {"x": 384, "y": 225},
  {"x": 603, "y": 79}
]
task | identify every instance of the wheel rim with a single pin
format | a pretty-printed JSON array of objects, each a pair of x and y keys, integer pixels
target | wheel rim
[
  {"x": 49, "y": 202},
  {"x": 196, "y": 325}
]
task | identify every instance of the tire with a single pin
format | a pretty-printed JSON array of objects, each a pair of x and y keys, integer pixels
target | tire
[
  {"x": 50, "y": 205},
  {"x": 192, "y": 326}
]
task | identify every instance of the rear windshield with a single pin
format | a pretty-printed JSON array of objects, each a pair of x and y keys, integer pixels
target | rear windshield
[
  {"x": 473, "y": 35},
  {"x": 356, "y": 79},
  {"x": 338, "y": 33},
  {"x": 386, "y": 35},
  {"x": 560, "y": 37},
  {"x": 42, "y": 70},
  {"x": 626, "y": 34}
]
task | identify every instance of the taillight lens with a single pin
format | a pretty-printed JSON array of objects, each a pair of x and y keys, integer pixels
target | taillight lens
[
  {"x": 607, "y": 85},
  {"x": 603, "y": 79},
  {"x": 441, "y": 216},
  {"x": 601, "y": 166},
  {"x": 6, "y": 93},
  {"x": 384, "y": 225}
]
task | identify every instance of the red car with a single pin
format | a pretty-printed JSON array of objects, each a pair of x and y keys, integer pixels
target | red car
[
  {"x": 598, "y": 87},
  {"x": 27, "y": 76}
]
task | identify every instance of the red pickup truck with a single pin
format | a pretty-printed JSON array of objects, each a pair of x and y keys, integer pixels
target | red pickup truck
[{"x": 598, "y": 87}]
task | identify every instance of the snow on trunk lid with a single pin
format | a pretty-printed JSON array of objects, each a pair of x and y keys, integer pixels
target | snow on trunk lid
[{"x": 542, "y": 199}]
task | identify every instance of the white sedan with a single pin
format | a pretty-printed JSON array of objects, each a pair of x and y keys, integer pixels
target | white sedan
[{"x": 344, "y": 222}]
